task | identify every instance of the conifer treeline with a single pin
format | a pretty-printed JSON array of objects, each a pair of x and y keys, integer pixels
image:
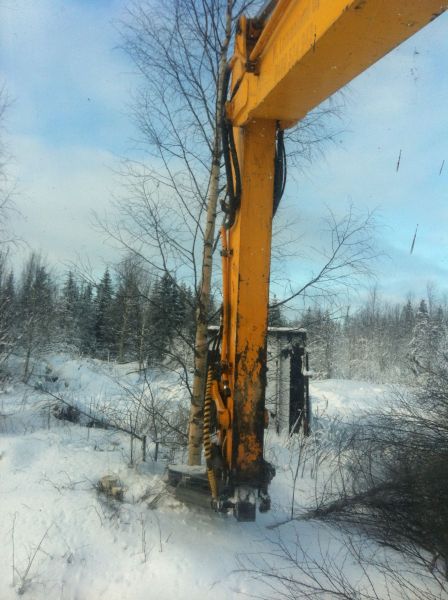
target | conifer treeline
[
  {"x": 125, "y": 317},
  {"x": 131, "y": 316},
  {"x": 379, "y": 342}
]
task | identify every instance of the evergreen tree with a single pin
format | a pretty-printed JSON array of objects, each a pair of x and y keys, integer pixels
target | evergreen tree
[
  {"x": 105, "y": 331},
  {"x": 437, "y": 331},
  {"x": 128, "y": 314},
  {"x": 86, "y": 320},
  {"x": 419, "y": 345},
  {"x": 7, "y": 315},
  {"x": 328, "y": 343},
  {"x": 143, "y": 343},
  {"x": 187, "y": 303},
  {"x": 166, "y": 317},
  {"x": 36, "y": 307},
  {"x": 275, "y": 316},
  {"x": 69, "y": 311},
  {"x": 407, "y": 319}
]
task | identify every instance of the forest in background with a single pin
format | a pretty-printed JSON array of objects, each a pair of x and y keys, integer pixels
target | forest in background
[{"x": 129, "y": 315}]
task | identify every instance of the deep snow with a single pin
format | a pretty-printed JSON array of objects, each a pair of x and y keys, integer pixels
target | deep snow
[{"x": 62, "y": 540}]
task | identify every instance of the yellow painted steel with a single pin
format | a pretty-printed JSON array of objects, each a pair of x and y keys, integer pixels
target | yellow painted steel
[
  {"x": 309, "y": 49},
  {"x": 248, "y": 251},
  {"x": 282, "y": 69},
  {"x": 207, "y": 435}
]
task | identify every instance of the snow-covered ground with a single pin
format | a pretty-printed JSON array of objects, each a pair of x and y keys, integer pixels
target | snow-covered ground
[{"x": 61, "y": 539}]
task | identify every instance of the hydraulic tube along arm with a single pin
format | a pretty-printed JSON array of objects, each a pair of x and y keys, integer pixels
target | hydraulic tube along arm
[{"x": 286, "y": 61}]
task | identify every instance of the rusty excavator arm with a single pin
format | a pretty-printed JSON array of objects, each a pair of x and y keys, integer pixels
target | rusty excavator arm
[{"x": 287, "y": 60}]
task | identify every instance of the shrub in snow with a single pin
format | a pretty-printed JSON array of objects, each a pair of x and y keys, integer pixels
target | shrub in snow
[{"x": 395, "y": 471}]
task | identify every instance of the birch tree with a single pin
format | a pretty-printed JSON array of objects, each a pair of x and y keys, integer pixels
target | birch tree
[
  {"x": 173, "y": 194},
  {"x": 181, "y": 50}
]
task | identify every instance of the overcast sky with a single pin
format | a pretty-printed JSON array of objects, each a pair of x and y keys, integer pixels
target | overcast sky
[{"x": 69, "y": 122}]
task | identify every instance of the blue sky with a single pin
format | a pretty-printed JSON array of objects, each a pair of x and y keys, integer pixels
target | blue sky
[
  {"x": 69, "y": 121},
  {"x": 397, "y": 105}
]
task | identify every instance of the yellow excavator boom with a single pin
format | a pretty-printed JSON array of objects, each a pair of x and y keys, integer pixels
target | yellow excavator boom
[
  {"x": 286, "y": 61},
  {"x": 308, "y": 49}
]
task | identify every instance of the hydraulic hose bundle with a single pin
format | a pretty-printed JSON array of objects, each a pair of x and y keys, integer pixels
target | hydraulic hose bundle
[{"x": 232, "y": 167}]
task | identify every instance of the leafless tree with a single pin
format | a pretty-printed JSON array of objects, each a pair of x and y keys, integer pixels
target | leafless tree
[
  {"x": 155, "y": 415},
  {"x": 181, "y": 50},
  {"x": 344, "y": 259},
  {"x": 6, "y": 186},
  {"x": 168, "y": 209},
  {"x": 8, "y": 337}
]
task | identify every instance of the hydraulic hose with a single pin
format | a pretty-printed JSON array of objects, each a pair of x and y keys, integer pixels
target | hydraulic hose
[
  {"x": 279, "y": 168},
  {"x": 207, "y": 435},
  {"x": 232, "y": 168}
]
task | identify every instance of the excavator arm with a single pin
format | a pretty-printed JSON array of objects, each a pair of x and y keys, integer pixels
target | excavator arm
[{"x": 286, "y": 61}]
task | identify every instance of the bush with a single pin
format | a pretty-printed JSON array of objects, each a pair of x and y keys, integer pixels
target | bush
[{"x": 397, "y": 465}]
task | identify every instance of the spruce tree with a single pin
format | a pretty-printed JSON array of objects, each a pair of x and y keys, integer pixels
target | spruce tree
[
  {"x": 69, "y": 311},
  {"x": 86, "y": 320},
  {"x": 407, "y": 319},
  {"x": 128, "y": 316},
  {"x": 166, "y": 317},
  {"x": 188, "y": 308},
  {"x": 7, "y": 316},
  {"x": 419, "y": 346},
  {"x": 105, "y": 331},
  {"x": 275, "y": 316},
  {"x": 36, "y": 308}
]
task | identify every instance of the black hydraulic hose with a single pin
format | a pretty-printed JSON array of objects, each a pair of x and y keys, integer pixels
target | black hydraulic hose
[
  {"x": 236, "y": 169},
  {"x": 231, "y": 163},
  {"x": 266, "y": 10},
  {"x": 225, "y": 139},
  {"x": 280, "y": 169},
  {"x": 233, "y": 174}
]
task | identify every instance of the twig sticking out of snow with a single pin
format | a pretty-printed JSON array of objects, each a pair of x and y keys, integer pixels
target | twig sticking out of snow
[{"x": 24, "y": 577}]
